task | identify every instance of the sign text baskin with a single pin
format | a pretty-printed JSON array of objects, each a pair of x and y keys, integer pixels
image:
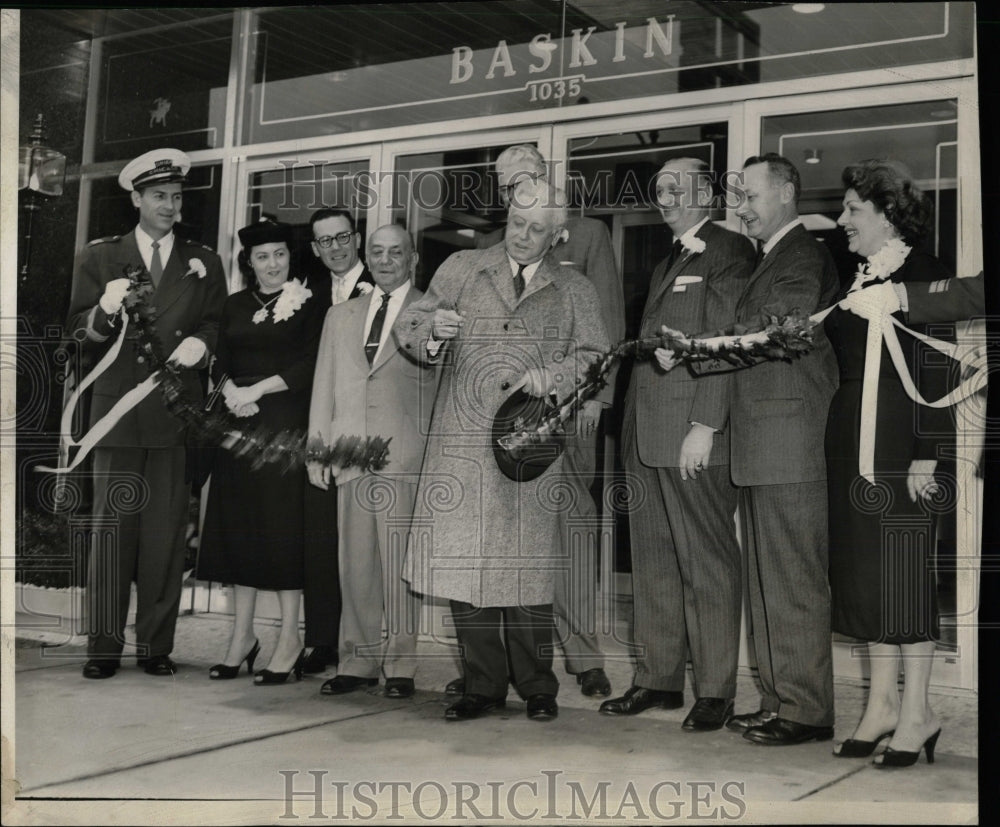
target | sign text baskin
[{"x": 584, "y": 49}]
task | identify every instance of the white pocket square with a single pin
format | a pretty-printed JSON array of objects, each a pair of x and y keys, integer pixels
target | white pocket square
[{"x": 681, "y": 282}]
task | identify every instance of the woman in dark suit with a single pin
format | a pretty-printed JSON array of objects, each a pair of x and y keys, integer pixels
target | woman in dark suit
[
  {"x": 253, "y": 533},
  {"x": 882, "y": 580}
]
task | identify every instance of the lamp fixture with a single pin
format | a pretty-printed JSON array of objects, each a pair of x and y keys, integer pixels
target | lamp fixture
[
  {"x": 808, "y": 8},
  {"x": 41, "y": 172},
  {"x": 814, "y": 156}
]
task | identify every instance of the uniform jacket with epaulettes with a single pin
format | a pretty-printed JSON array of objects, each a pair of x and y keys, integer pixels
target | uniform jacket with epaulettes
[{"x": 186, "y": 304}]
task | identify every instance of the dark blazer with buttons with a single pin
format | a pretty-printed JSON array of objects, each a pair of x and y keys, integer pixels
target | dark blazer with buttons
[
  {"x": 779, "y": 409},
  {"x": 699, "y": 291},
  {"x": 186, "y": 303}
]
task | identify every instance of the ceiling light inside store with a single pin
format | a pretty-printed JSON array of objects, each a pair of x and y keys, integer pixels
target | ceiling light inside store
[
  {"x": 808, "y": 8},
  {"x": 813, "y": 156}
]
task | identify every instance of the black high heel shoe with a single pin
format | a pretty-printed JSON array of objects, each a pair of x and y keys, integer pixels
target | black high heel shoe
[
  {"x": 222, "y": 672},
  {"x": 903, "y": 758},
  {"x": 853, "y": 748},
  {"x": 266, "y": 676}
]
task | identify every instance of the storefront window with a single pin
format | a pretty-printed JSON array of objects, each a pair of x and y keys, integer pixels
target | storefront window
[
  {"x": 164, "y": 87},
  {"x": 348, "y": 68}
]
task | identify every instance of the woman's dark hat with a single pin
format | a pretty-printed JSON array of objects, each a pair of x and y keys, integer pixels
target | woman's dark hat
[
  {"x": 523, "y": 413},
  {"x": 265, "y": 231}
]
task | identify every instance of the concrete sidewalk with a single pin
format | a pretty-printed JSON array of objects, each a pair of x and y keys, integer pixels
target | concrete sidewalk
[{"x": 145, "y": 750}]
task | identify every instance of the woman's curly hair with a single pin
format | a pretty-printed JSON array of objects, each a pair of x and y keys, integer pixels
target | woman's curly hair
[{"x": 890, "y": 187}]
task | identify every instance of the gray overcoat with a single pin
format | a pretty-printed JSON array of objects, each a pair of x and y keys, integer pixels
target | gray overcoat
[{"x": 477, "y": 536}]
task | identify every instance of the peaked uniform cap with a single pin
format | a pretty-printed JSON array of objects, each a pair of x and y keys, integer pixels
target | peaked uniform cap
[{"x": 158, "y": 166}]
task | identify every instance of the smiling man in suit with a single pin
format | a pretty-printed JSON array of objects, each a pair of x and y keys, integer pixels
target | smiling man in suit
[
  {"x": 777, "y": 422},
  {"x": 336, "y": 242},
  {"x": 685, "y": 558},
  {"x": 365, "y": 385},
  {"x": 145, "y": 449}
]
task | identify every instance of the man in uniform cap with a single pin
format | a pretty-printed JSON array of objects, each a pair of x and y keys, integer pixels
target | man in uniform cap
[{"x": 139, "y": 465}]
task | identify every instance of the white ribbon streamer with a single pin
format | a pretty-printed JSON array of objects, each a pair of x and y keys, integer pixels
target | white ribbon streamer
[
  {"x": 879, "y": 331},
  {"x": 107, "y": 422},
  {"x": 66, "y": 423}
]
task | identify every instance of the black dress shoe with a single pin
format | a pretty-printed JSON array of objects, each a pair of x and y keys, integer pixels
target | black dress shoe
[
  {"x": 594, "y": 682},
  {"x": 159, "y": 665},
  {"x": 780, "y": 732},
  {"x": 708, "y": 714},
  {"x": 342, "y": 684},
  {"x": 319, "y": 659},
  {"x": 455, "y": 687},
  {"x": 99, "y": 669},
  {"x": 638, "y": 699},
  {"x": 399, "y": 687},
  {"x": 472, "y": 706},
  {"x": 542, "y": 707},
  {"x": 853, "y": 748},
  {"x": 265, "y": 677},
  {"x": 741, "y": 723}
]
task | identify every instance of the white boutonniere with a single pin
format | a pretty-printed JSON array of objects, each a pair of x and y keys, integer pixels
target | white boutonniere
[
  {"x": 293, "y": 295},
  {"x": 364, "y": 288},
  {"x": 881, "y": 265},
  {"x": 693, "y": 245},
  {"x": 197, "y": 266}
]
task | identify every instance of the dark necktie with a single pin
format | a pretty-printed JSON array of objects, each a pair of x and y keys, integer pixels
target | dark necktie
[
  {"x": 675, "y": 253},
  {"x": 519, "y": 280},
  {"x": 155, "y": 265},
  {"x": 375, "y": 334},
  {"x": 760, "y": 257}
]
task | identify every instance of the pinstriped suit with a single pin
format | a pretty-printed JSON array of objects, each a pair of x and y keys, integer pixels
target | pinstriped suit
[
  {"x": 778, "y": 419},
  {"x": 685, "y": 558}
]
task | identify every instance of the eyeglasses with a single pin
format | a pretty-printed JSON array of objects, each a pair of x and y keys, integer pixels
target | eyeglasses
[{"x": 327, "y": 241}]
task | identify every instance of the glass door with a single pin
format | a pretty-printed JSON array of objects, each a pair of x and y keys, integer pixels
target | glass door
[
  {"x": 608, "y": 170},
  {"x": 444, "y": 192},
  {"x": 930, "y": 133},
  {"x": 291, "y": 187}
]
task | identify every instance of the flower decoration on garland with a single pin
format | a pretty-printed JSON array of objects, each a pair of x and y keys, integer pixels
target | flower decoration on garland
[
  {"x": 196, "y": 266},
  {"x": 881, "y": 265},
  {"x": 287, "y": 449},
  {"x": 293, "y": 295},
  {"x": 784, "y": 338}
]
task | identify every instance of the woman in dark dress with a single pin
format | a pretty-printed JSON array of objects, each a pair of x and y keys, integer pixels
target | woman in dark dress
[
  {"x": 881, "y": 576},
  {"x": 252, "y": 537}
]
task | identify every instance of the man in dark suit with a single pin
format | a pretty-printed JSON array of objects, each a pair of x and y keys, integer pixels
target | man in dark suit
[
  {"x": 945, "y": 300},
  {"x": 336, "y": 242},
  {"x": 777, "y": 420},
  {"x": 365, "y": 385},
  {"x": 686, "y": 566},
  {"x": 586, "y": 247},
  {"x": 144, "y": 452}
]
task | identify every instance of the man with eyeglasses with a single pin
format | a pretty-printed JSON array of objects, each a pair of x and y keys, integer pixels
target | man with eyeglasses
[{"x": 336, "y": 242}]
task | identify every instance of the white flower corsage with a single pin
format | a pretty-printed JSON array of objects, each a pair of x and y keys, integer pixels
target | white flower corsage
[
  {"x": 693, "y": 244},
  {"x": 259, "y": 316},
  {"x": 196, "y": 265},
  {"x": 884, "y": 263},
  {"x": 364, "y": 288},
  {"x": 293, "y": 296}
]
